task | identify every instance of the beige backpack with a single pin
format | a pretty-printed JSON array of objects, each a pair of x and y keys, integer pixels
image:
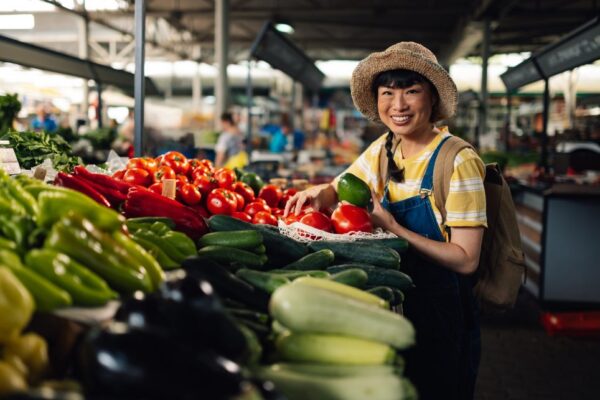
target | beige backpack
[{"x": 501, "y": 268}]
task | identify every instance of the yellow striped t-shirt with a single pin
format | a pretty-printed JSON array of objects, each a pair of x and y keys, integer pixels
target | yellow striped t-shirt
[{"x": 465, "y": 205}]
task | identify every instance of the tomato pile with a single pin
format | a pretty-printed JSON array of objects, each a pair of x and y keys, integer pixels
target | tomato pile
[{"x": 207, "y": 189}]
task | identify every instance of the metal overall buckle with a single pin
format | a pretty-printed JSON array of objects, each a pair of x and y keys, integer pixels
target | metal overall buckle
[{"x": 425, "y": 193}]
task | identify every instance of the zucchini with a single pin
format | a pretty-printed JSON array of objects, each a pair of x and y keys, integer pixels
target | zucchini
[
  {"x": 379, "y": 276},
  {"x": 332, "y": 349},
  {"x": 343, "y": 290},
  {"x": 383, "y": 292},
  {"x": 278, "y": 328},
  {"x": 318, "y": 260},
  {"x": 225, "y": 283},
  {"x": 357, "y": 252},
  {"x": 305, "y": 308},
  {"x": 262, "y": 280},
  {"x": 254, "y": 347},
  {"x": 333, "y": 371},
  {"x": 300, "y": 386},
  {"x": 354, "y": 277},
  {"x": 246, "y": 239},
  {"x": 298, "y": 274},
  {"x": 277, "y": 244},
  {"x": 399, "y": 244},
  {"x": 231, "y": 255}
]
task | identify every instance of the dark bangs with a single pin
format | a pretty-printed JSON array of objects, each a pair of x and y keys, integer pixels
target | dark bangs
[{"x": 399, "y": 79}]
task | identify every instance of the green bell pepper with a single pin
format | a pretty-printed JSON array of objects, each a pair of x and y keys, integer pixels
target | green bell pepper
[
  {"x": 47, "y": 295},
  {"x": 144, "y": 258},
  {"x": 163, "y": 259},
  {"x": 81, "y": 240},
  {"x": 7, "y": 244},
  {"x": 14, "y": 188},
  {"x": 16, "y": 305},
  {"x": 16, "y": 228},
  {"x": 85, "y": 287},
  {"x": 166, "y": 246}
]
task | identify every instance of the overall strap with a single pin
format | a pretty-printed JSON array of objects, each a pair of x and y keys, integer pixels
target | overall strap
[{"x": 427, "y": 183}]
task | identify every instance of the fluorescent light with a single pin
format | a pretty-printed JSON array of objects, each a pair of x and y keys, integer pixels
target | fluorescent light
[
  {"x": 17, "y": 21},
  {"x": 284, "y": 27}
]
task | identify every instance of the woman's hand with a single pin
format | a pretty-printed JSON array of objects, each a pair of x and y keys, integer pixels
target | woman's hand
[
  {"x": 319, "y": 196},
  {"x": 380, "y": 217}
]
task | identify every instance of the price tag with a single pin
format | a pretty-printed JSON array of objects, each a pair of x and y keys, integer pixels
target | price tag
[
  {"x": 8, "y": 161},
  {"x": 169, "y": 187},
  {"x": 40, "y": 173}
]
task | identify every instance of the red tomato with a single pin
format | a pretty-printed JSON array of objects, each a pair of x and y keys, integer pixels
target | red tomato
[
  {"x": 240, "y": 201},
  {"x": 177, "y": 161},
  {"x": 164, "y": 172},
  {"x": 194, "y": 162},
  {"x": 221, "y": 201},
  {"x": 347, "y": 218},
  {"x": 245, "y": 190},
  {"x": 277, "y": 212},
  {"x": 241, "y": 216},
  {"x": 287, "y": 194},
  {"x": 151, "y": 164},
  {"x": 137, "y": 176},
  {"x": 190, "y": 194},
  {"x": 291, "y": 218},
  {"x": 317, "y": 220},
  {"x": 272, "y": 195},
  {"x": 207, "y": 163},
  {"x": 225, "y": 177},
  {"x": 201, "y": 170},
  {"x": 119, "y": 174},
  {"x": 206, "y": 184},
  {"x": 264, "y": 217},
  {"x": 137, "y": 162},
  {"x": 181, "y": 179},
  {"x": 254, "y": 207},
  {"x": 157, "y": 187},
  {"x": 259, "y": 200}
]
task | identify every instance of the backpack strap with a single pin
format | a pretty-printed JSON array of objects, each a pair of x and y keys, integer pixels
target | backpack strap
[{"x": 443, "y": 170}]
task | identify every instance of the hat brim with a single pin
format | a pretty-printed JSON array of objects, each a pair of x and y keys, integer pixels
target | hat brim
[{"x": 366, "y": 71}]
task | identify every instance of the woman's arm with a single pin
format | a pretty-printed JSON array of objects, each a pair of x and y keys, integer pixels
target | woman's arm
[
  {"x": 461, "y": 254},
  {"x": 219, "y": 159}
]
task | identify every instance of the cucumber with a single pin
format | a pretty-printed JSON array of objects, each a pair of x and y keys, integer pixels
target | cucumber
[
  {"x": 357, "y": 252},
  {"x": 260, "y": 249},
  {"x": 379, "y": 276},
  {"x": 333, "y": 371},
  {"x": 308, "y": 309},
  {"x": 277, "y": 244},
  {"x": 399, "y": 244},
  {"x": 332, "y": 349},
  {"x": 318, "y": 260},
  {"x": 254, "y": 347},
  {"x": 384, "y": 292},
  {"x": 398, "y": 296},
  {"x": 298, "y": 274},
  {"x": 262, "y": 280},
  {"x": 231, "y": 255},
  {"x": 246, "y": 239},
  {"x": 355, "y": 277},
  {"x": 344, "y": 290}
]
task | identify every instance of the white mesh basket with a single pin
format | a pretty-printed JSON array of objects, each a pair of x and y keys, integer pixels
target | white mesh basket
[{"x": 305, "y": 233}]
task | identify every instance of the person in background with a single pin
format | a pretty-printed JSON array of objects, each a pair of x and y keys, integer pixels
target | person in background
[
  {"x": 44, "y": 121},
  {"x": 279, "y": 140},
  {"x": 406, "y": 89},
  {"x": 230, "y": 141}
]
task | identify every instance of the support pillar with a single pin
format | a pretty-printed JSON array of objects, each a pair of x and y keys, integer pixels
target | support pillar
[
  {"x": 544, "y": 133},
  {"x": 485, "y": 55},
  {"x": 221, "y": 59},
  {"x": 84, "y": 35},
  {"x": 139, "y": 81}
]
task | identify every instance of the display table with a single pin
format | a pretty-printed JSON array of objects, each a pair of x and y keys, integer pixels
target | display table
[{"x": 559, "y": 231}]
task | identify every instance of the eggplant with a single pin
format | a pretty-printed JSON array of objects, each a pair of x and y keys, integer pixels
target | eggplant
[{"x": 120, "y": 362}]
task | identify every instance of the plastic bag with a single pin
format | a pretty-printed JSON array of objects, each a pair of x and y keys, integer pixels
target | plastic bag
[{"x": 305, "y": 233}]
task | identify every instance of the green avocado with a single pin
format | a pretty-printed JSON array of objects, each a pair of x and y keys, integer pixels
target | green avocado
[{"x": 353, "y": 190}]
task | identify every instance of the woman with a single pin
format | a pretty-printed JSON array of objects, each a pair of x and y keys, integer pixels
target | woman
[
  {"x": 407, "y": 90},
  {"x": 230, "y": 142}
]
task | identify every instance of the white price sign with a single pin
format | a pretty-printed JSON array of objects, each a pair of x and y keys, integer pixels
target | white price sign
[{"x": 9, "y": 162}]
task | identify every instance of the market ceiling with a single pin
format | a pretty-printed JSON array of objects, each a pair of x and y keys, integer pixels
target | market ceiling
[{"x": 345, "y": 29}]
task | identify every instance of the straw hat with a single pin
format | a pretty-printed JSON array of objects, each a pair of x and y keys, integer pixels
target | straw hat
[{"x": 403, "y": 55}]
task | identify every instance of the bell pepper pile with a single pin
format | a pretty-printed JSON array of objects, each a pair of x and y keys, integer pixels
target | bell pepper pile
[{"x": 66, "y": 249}]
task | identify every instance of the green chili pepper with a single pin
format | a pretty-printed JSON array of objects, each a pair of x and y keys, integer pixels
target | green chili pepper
[
  {"x": 163, "y": 259},
  {"x": 143, "y": 257},
  {"x": 59, "y": 269},
  {"x": 182, "y": 242},
  {"x": 26, "y": 200},
  {"x": 16, "y": 228},
  {"x": 6, "y": 244},
  {"x": 47, "y": 295},
  {"x": 160, "y": 228},
  {"x": 8, "y": 205},
  {"x": 79, "y": 239},
  {"x": 166, "y": 246},
  {"x": 54, "y": 205}
]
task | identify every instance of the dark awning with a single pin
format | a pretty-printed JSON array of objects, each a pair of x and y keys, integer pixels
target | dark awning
[{"x": 32, "y": 56}]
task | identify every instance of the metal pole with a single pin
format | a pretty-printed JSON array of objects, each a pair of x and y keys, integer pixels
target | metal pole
[
  {"x": 249, "y": 95},
  {"x": 544, "y": 133},
  {"x": 293, "y": 107},
  {"x": 508, "y": 122},
  {"x": 221, "y": 52},
  {"x": 84, "y": 32},
  {"x": 139, "y": 82},
  {"x": 99, "y": 109},
  {"x": 485, "y": 55}
]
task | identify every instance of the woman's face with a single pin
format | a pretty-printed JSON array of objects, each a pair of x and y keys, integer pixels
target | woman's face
[{"x": 406, "y": 111}]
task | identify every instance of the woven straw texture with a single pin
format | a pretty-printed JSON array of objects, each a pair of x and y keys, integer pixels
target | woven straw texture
[{"x": 403, "y": 55}]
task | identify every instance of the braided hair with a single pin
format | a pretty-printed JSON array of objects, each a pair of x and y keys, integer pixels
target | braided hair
[{"x": 401, "y": 79}]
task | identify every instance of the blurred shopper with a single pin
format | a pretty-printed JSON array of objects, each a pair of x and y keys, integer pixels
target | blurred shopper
[
  {"x": 44, "y": 121},
  {"x": 406, "y": 89},
  {"x": 279, "y": 140},
  {"x": 229, "y": 149}
]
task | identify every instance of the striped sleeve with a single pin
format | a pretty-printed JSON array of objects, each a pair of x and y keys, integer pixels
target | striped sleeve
[
  {"x": 465, "y": 205},
  {"x": 366, "y": 166}
]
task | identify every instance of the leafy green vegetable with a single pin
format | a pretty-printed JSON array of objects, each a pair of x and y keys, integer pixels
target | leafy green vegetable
[
  {"x": 9, "y": 108},
  {"x": 32, "y": 148}
]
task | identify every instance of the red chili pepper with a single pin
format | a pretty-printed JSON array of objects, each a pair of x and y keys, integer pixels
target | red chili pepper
[
  {"x": 103, "y": 180},
  {"x": 142, "y": 202},
  {"x": 114, "y": 196},
  {"x": 75, "y": 183}
]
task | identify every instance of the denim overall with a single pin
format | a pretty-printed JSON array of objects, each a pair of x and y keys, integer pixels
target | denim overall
[{"x": 444, "y": 362}]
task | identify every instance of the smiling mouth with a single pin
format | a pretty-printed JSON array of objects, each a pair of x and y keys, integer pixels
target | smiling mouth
[{"x": 401, "y": 119}]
